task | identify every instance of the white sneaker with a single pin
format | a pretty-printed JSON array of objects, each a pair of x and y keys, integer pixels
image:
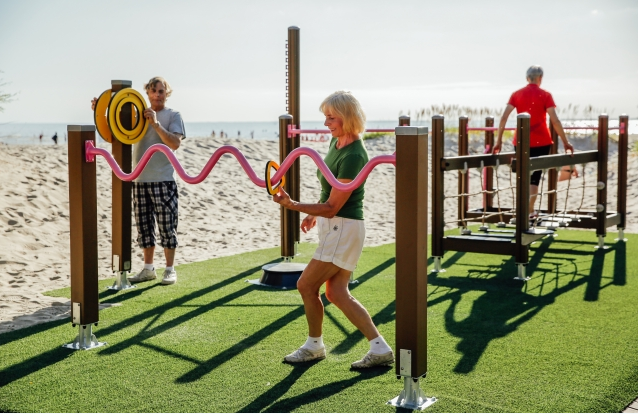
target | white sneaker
[
  {"x": 143, "y": 276},
  {"x": 304, "y": 355},
  {"x": 372, "y": 360},
  {"x": 169, "y": 278}
]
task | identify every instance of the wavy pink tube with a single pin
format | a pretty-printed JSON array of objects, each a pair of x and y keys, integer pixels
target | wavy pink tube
[{"x": 92, "y": 151}]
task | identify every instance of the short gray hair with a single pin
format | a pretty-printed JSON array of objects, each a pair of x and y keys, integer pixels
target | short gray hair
[{"x": 534, "y": 72}]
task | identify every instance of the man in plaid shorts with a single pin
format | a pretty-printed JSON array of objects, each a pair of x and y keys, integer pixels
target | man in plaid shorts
[{"x": 155, "y": 197}]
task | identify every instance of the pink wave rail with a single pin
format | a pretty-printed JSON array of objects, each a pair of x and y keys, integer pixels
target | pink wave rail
[
  {"x": 92, "y": 152},
  {"x": 292, "y": 131},
  {"x": 621, "y": 128}
]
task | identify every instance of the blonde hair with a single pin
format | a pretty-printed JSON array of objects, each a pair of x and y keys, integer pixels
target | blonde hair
[
  {"x": 154, "y": 80},
  {"x": 346, "y": 107}
]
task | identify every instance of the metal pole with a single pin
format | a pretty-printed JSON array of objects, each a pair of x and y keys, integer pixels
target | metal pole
[
  {"x": 464, "y": 182},
  {"x": 601, "y": 195},
  {"x": 122, "y": 198},
  {"x": 623, "y": 149},
  {"x": 411, "y": 264},
  {"x": 438, "y": 190},
  {"x": 522, "y": 192},
  {"x": 489, "y": 171},
  {"x": 294, "y": 100},
  {"x": 288, "y": 245},
  {"x": 83, "y": 237}
]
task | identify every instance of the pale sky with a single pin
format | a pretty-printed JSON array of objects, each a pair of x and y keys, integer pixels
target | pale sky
[{"x": 225, "y": 60}]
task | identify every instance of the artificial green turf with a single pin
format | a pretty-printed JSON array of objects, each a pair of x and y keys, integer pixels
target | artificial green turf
[{"x": 566, "y": 341}]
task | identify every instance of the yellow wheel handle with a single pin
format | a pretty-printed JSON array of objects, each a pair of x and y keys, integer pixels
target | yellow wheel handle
[
  {"x": 269, "y": 187},
  {"x": 99, "y": 115},
  {"x": 118, "y": 100}
]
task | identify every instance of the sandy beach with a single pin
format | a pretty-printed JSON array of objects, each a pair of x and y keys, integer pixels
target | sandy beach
[{"x": 224, "y": 215}]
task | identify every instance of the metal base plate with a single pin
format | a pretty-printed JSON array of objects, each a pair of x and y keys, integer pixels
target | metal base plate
[
  {"x": 412, "y": 397},
  {"x": 282, "y": 275},
  {"x": 85, "y": 339},
  {"x": 121, "y": 282}
]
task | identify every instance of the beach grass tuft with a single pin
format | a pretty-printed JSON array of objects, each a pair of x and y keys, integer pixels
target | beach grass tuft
[{"x": 563, "y": 342}]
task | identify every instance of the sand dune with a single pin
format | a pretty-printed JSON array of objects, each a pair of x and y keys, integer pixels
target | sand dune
[{"x": 224, "y": 215}]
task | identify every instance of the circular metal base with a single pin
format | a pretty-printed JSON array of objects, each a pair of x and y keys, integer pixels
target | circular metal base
[{"x": 280, "y": 275}]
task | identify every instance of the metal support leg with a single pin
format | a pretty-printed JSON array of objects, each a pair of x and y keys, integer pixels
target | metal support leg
[
  {"x": 352, "y": 280},
  {"x": 287, "y": 259},
  {"x": 621, "y": 235},
  {"x": 437, "y": 265},
  {"x": 121, "y": 282},
  {"x": 85, "y": 339},
  {"x": 601, "y": 243},
  {"x": 521, "y": 272},
  {"x": 412, "y": 397}
]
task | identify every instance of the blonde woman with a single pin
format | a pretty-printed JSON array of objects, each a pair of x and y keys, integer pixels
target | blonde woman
[{"x": 339, "y": 219}]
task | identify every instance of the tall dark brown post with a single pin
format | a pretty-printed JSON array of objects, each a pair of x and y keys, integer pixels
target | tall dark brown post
[
  {"x": 623, "y": 148},
  {"x": 83, "y": 224},
  {"x": 288, "y": 245},
  {"x": 404, "y": 120},
  {"x": 464, "y": 179},
  {"x": 294, "y": 108},
  {"x": 411, "y": 250},
  {"x": 122, "y": 190},
  {"x": 601, "y": 199},
  {"x": 552, "y": 179},
  {"x": 489, "y": 171},
  {"x": 438, "y": 216},
  {"x": 522, "y": 186}
]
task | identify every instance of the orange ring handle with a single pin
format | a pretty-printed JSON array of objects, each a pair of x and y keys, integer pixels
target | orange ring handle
[{"x": 272, "y": 190}]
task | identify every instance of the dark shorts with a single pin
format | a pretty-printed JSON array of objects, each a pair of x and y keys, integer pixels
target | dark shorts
[
  {"x": 156, "y": 202},
  {"x": 538, "y": 152}
]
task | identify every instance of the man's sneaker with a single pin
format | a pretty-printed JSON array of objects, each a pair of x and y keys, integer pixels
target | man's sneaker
[
  {"x": 373, "y": 360},
  {"x": 304, "y": 355},
  {"x": 143, "y": 276},
  {"x": 170, "y": 277}
]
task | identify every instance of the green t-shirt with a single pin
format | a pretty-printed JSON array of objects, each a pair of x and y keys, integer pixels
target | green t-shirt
[{"x": 346, "y": 163}]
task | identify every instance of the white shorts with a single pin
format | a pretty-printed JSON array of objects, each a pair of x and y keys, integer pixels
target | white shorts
[{"x": 340, "y": 241}]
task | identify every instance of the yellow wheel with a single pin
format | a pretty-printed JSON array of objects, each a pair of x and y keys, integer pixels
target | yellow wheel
[
  {"x": 120, "y": 132},
  {"x": 100, "y": 117},
  {"x": 269, "y": 187}
]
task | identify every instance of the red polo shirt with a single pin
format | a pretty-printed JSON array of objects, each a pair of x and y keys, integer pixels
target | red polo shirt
[{"x": 535, "y": 101}]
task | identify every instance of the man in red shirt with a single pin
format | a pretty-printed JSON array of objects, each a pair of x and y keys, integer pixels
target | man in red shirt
[{"x": 537, "y": 102}]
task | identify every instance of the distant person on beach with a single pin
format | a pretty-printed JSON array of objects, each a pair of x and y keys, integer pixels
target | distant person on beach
[
  {"x": 155, "y": 196},
  {"x": 41, "y": 134},
  {"x": 339, "y": 217},
  {"x": 252, "y": 134},
  {"x": 55, "y": 138},
  {"x": 537, "y": 103},
  {"x": 212, "y": 134},
  {"x": 238, "y": 134}
]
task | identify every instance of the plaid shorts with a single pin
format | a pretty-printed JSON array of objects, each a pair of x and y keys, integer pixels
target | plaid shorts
[{"x": 153, "y": 201}]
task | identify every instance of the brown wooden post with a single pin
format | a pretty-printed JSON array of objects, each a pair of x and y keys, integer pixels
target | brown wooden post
[
  {"x": 293, "y": 177},
  {"x": 552, "y": 179},
  {"x": 404, "y": 120},
  {"x": 464, "y": 179},
  {"x": 288, "y": 245},
  {"x": 438, "y": 190},
  {"x": 523, "y": 180},
  {"x": 122, "y": 197},
  {"x": 623, "y": 149},
  {"x": 601, "y": 195},
  {"x": 411, "y": 263},
  {"x": 489, "y": 171},
  {"x": 83, "y": 237}
]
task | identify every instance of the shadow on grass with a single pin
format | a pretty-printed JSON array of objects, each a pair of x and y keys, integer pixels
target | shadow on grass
[
  {"x": 620, "y": 264},
  {"x": 55, "y": 355},
  {"x": 206, "y": 367},
  {"x": 316, "y": 394},
  {"x": 506, "y": 303}
]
